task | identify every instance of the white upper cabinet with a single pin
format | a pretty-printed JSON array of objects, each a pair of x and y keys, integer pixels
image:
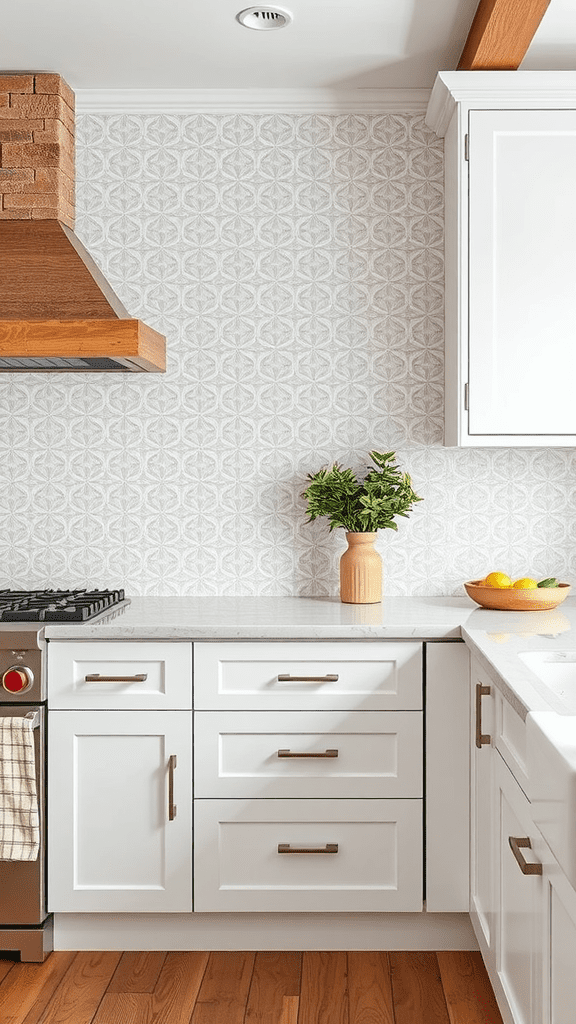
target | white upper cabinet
[{"x": 510, "y": 159}]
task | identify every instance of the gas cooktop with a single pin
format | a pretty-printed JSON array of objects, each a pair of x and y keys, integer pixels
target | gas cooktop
[{"x": 56, "y": 605}]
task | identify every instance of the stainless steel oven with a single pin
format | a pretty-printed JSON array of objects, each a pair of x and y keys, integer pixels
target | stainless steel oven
[{"x": 25, "y": 926}]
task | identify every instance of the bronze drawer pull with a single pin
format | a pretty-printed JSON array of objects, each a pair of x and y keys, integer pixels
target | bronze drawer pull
[
  {"x": 481, "y": 691},
  {"x": 172, "y": 762},
  {"x": 95, "y": 677},
  {"x": 286, "y": 848},
  {"x": 517, "y": 845},
  {"x": 320, "y": 753},
  {"x": 285, "y": 677}
]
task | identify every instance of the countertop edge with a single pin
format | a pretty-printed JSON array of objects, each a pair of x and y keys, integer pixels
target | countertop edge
[{"x": 254, "y": 633}]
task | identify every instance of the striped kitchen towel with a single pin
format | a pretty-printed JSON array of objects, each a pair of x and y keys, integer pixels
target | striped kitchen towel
[{"x": 19, "y": 818}]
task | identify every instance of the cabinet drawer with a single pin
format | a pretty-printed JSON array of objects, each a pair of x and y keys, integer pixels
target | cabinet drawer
[
  {"x": 377, "y": 865},
  {"x": 369, "y": 676},
  {"x": 351, "y": 754},
  {"x": 146, "y": 676}
]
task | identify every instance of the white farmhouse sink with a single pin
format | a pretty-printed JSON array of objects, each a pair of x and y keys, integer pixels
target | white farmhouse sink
[
  {"x": 551, "y": 763},
  {"x": 557, "y": 670}
]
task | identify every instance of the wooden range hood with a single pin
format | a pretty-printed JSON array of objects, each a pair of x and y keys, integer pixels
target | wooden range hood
[{"x": 57, "y": 311}]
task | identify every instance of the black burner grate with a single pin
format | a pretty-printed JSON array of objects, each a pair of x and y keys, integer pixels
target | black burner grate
[{"x": 56, "y": 605}]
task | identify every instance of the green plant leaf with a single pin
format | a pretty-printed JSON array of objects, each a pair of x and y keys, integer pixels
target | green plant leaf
[{"x": 361, "y": 506}]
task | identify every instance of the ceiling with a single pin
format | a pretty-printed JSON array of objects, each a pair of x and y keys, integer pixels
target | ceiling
[
  {"x": 189, "y": 44},
  {"x": 554, "y": 45}
]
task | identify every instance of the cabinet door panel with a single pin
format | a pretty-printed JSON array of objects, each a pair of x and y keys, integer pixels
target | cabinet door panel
[
  {"x": 562, "y": 904},
  {"x": 111, "y": 845},
  {"x": 522, "y": 357},
  {"x": 558, "y": 918},
  {"x": 519, "y": 901}
]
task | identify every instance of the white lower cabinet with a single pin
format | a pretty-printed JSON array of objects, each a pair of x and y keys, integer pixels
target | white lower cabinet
[
  {"x": 518, "y": 900},
  {"x": 522, "y": 907},
  {"x": 308, "y": 855},
  {"x": 558, "y": 937},
  {"x": 308, "y": 776},
  {"x": 120, "y": 811}
]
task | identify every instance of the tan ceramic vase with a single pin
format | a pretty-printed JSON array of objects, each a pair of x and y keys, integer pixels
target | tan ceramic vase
[{"x": 360, "y": 570}]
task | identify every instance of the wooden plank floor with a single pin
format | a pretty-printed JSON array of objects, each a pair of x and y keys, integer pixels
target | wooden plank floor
[{"x": 248, "y": 988}]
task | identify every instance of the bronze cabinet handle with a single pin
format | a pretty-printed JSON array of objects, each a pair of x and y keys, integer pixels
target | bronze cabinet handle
[
  {"x": 172, "y": 762},
  {"x": 287, "y": 848},
  {"x": 481, "y": 691},
  {"x": 95, "y": 677},
  {"x": 517, "y": 845},
  {"x": 320, "y": 753},
  {"x": 285, "y": 677}
]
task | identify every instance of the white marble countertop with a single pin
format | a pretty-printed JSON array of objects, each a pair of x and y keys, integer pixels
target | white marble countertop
[
  {"x": 272, "y": 618},
  {"x": 496, "y": 637}
]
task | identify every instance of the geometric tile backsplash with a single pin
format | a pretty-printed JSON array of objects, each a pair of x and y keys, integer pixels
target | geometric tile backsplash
[{"x": 294, "y": 263}]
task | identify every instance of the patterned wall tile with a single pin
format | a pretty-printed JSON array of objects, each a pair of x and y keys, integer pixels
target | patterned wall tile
[{"x": 295, "y": 264}]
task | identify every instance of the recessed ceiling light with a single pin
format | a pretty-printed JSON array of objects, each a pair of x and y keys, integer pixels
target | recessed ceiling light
[{"x": 264, "y": 19}]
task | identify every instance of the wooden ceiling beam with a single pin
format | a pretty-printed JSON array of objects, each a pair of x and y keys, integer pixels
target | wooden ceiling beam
[{"x": 500, "y": 34}]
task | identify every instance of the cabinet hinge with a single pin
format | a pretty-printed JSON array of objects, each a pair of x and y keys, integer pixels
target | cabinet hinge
[
  {"x": 466, "y": 147},
  {"x": 466, "y": 397}
]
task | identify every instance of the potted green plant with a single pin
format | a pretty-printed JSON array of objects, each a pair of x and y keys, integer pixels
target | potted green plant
[{"x": 361, "y": 507}]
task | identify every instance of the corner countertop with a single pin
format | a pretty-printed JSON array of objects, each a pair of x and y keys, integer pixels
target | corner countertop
[{"x": 495, "y": 637}]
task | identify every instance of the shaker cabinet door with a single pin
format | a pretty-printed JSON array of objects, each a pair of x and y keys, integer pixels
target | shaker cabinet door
[
  {"x": 120, "y": 821},
  {"x": 519, "y": 900},
  {"x": 522, "y": 255},
  {"x": 559, "y": 944}
]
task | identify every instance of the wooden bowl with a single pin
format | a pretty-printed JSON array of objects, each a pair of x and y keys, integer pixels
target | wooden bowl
[{"x": 507, "y": 599}]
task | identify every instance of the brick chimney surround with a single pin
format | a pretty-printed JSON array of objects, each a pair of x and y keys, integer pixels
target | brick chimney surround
[{"x": 36, "y": 148}]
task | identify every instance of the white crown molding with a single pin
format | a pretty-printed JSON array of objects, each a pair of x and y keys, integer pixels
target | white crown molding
[
  {"x": 490, "y": 89},
  {"x": 191, "y": 101}
]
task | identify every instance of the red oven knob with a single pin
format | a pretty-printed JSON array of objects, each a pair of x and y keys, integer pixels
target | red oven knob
[{"x": 17, "y": 679}]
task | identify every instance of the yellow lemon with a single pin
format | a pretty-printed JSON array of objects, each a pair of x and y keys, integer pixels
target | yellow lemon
[
  {"x": 499, "y": 580},
  {"x": 525, "y": 584}
]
